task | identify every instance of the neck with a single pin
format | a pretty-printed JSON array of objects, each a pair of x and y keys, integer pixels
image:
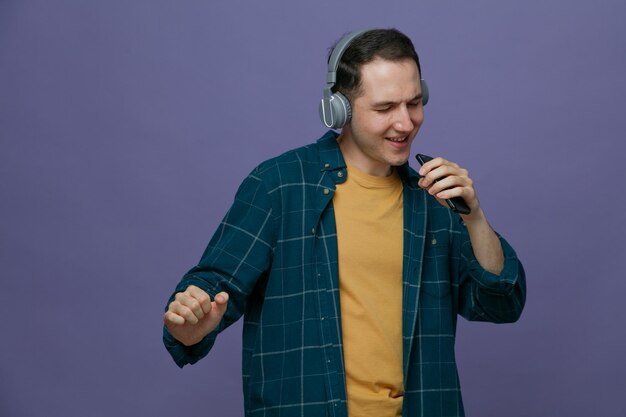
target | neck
[{"x": 355, "y": 157}]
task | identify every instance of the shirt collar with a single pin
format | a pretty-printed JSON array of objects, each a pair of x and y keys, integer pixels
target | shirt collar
[{"x": 331, "y": 159}]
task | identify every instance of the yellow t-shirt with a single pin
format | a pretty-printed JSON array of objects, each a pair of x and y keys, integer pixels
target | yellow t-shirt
[{"x": 369, "y": 216}]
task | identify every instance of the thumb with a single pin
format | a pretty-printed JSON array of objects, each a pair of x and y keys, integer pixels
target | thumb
[{"x": 220, "y": 303}]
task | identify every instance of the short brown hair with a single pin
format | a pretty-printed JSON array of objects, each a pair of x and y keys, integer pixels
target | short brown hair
[{"x": 388, "y": 44}]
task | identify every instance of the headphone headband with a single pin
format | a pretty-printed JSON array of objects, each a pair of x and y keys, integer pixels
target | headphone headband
[{"x": 335, "y": 57}]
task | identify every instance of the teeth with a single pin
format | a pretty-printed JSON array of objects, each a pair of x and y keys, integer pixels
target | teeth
[{"x": 397, "y": 139}]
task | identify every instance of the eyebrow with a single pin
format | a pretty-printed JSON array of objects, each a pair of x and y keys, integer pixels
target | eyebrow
[{"x": 393, "y": 103}]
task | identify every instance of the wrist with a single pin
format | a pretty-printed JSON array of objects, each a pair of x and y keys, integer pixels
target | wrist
[{"x": 475, "y": 219}]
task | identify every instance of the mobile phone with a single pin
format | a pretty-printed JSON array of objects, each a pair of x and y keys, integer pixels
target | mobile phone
[{"x": 457, "y": 204}]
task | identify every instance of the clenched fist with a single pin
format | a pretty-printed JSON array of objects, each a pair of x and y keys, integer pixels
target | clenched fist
[{"x": 192, "y": 315}]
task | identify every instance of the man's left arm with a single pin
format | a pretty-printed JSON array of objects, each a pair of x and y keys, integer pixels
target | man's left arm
[
  {"x": 444, "y": 180},
  {"x": 485, "y": 243},
  {"x": 492, "y": 280}
]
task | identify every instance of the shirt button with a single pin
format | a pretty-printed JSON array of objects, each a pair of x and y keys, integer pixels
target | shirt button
[
  {"x": 434, "y": 241},
  {"x": 326, "y": 165},
  {"x": 340, "y": 174},
  {"x": 326, "y": 191},
  {"x": 313, "y": 231}
]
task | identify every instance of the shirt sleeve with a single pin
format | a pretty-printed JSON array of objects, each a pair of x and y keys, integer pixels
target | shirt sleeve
[
  {"x": 236, "y": 258},
  {"x": 485, "y": 296}
]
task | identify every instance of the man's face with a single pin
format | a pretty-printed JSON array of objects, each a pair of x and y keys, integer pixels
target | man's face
[{"x": 385, "y": 117}]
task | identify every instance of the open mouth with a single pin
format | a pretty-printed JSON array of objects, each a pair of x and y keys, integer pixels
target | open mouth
[{"x": 398, "y": 140}]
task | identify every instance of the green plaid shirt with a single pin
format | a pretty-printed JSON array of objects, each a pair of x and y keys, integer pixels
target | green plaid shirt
[{"x": 275, "y": 253}]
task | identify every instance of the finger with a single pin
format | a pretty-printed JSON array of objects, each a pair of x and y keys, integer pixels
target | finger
[
  {"x": 221, "y": 298},
  {"x": 450, "y": 181},
  {"x": 436, "y": 174},
  {"x": 430, "y": 165},
  {"x": 221, "y": 303},
  {"x": 183, "y": 311},
  {"x": 450, "y": 193},
  {"x": 173, "y": 319},
  {"x": 427, "y": 187},
  {"x": 190, "y": 302},
  {"x": 201, "y": 296},
  {"x": 466, "y": 193}
]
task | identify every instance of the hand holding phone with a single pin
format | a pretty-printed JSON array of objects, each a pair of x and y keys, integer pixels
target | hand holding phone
[{"x": 457, "y": 204}]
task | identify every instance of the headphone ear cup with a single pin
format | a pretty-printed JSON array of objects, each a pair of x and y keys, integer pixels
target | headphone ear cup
[
  {"x": 425, "y": 94},
  {"x": 342, "y": 110},
  {"x": 335, "y": 111}
]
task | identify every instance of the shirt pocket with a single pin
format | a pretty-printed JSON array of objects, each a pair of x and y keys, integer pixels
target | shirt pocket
[{"x": 436, "y": 273}]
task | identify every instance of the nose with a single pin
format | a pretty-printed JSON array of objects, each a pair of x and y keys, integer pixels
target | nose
[{"x": 403, "y": 122}]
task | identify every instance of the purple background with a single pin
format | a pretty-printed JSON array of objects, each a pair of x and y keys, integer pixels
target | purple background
[{"x": 126, "y": 127}]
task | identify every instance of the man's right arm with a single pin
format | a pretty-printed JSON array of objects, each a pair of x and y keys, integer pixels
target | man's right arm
[{"x": 213, "y": 294}]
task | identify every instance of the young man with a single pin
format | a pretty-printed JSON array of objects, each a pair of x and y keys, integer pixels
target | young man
[{"x": 348, "y": 267}]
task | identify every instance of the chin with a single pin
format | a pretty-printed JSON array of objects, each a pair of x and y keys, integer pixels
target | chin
[
  {"x": 397, "y": 164},
  {"x": 399, "y": 160}
]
